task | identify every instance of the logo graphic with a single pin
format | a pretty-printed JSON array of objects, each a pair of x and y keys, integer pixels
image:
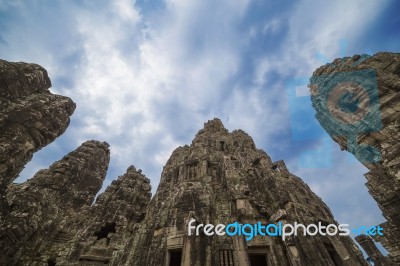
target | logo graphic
[
  {"x": 278, "y": 229},
  {"x": 348, "y": 106}
]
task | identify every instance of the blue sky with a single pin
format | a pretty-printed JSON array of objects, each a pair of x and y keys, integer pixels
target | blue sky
[{"x": 146, "y": 75}]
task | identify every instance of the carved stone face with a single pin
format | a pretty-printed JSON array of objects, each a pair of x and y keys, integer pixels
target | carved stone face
[{"x": 60, "y": 167}]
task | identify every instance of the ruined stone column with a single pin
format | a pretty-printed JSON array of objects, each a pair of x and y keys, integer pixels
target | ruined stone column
[{"x": 372, "y": 251}]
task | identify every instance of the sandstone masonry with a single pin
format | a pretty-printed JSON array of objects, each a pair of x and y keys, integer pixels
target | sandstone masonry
[
  {"x": 383, "y": 178},
  {"x": 221, "y": 177}
]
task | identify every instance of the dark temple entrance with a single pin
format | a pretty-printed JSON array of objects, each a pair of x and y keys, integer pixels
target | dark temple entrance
[
  {"x": 175, "y": 257},
  {"x": 258, "y": 259}
]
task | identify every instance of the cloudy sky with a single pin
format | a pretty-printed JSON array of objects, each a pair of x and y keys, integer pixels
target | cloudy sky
[{"x": 147, "y": 74}]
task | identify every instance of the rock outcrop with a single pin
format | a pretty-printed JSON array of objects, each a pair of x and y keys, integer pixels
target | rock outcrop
[
  {"x": 221, "y": 178},
  {"x": 367, "y": 124}
]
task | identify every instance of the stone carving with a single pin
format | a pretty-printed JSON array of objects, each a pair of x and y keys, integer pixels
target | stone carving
[
  {"x": 30, "y": 118},
  {"x": 39, "y": 205},
  {"x": 383, "y": 178},
  {"x": 221, "y": 177},
  {"x": 367, "y": 243}
]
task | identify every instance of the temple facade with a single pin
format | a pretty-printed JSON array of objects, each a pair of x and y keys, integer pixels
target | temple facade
[{"x": 220, "y": 178}]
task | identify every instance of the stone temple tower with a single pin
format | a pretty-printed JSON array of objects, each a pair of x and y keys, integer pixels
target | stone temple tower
[
  {"x": 369, "y": 128},
  {"x": 221, "y": 178}
]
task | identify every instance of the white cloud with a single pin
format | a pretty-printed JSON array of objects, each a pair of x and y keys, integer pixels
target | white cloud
[
  {"x": 317, "y": 27},
  {"x": 166, "y": 66},
  {"x": 272, "y": 26},
  {"x": 125, "y": 9},
  {"x": 120, "y": 92},
  {"x": 342, "y": 187},
  {"x": 147, "y": 84}
]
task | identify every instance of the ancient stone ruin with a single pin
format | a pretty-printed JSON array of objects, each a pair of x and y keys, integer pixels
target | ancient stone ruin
[
  {"x": 221, "y": 177},
  {"x": 372, "y": 129}
]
